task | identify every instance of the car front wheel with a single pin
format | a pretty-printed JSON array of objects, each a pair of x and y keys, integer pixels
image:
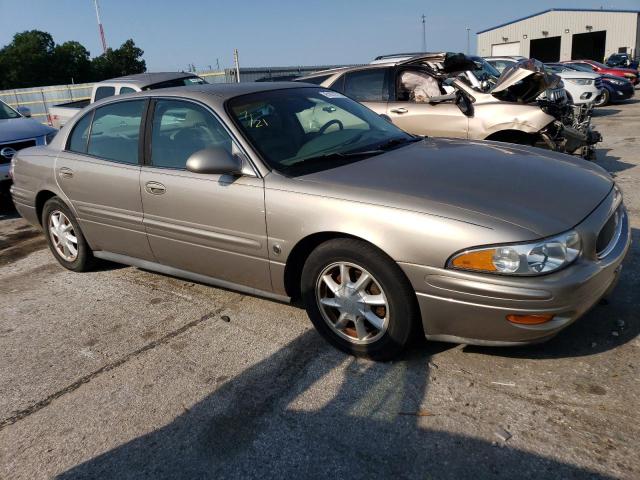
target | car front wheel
[
  {"x": 602, "y": 99},
  {"x": 65, "y": 238},
  {"x": 359, "y": 299}
]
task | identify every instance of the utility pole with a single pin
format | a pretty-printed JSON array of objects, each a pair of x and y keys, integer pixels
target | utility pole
[
  {"x": 104, "y": 41},
  {"x": 468, "y": 42},
  {"x": 237, "y": 63},
  {"x": 424, "y": 33}
]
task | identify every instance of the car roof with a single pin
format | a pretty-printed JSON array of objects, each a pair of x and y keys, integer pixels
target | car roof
[
  {"x": 149, "y": 78},
  {"x": 222, "y": 91}
]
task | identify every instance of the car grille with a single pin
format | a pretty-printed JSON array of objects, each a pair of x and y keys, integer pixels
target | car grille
[
  {"x": 610, "y": 233},
  {"x": 599, "y": 84},
  {"x": 15, "y": 146}
]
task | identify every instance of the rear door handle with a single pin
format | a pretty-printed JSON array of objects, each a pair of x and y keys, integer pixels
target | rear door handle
[
  {"x": 65, "y": 172},
  {"x": 399, "y": 110},
  {"x": 155, "y": 188}
]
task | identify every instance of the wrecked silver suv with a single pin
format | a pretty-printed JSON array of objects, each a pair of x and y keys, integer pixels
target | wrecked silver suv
[{"x": 434, "y": 94}]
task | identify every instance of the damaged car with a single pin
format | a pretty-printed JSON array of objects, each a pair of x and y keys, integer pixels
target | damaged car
[{"x": 435, "y": 95}]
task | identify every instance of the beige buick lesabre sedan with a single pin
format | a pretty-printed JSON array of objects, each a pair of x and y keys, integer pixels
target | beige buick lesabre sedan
[{"x": 290, "y": 190}]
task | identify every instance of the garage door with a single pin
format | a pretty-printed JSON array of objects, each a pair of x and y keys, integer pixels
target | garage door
[{"x": 505, "y": 49}]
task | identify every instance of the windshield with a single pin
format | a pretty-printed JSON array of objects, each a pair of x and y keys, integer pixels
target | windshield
[
  {"x": 6, "y": 112},
  {"x": 299, "y": 130},
  {"x": 580, "y": 68}
]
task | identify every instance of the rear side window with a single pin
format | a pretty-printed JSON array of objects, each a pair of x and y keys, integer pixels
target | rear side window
[
  {"x": 115, "y": 131},
  {"x": 367, "y": 85},
  {"x": 182, "y": 128},
  {"x": 80, "y": 135},
  {"x": 124, "y": 90},
  {"x": 104, "y": 92}
]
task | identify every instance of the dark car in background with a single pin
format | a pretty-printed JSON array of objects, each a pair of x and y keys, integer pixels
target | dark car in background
[
  {"x": 614, "y": 88},
  {"x": 622, "y": 60}
]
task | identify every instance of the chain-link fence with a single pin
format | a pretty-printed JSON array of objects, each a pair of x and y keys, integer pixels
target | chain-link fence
[{"x": 40, "y": 99}]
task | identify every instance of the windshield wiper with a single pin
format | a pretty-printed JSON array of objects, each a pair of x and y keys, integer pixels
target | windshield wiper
[
  {"x": 337, "y": 156},
  {"x": 394, "y": 142}
]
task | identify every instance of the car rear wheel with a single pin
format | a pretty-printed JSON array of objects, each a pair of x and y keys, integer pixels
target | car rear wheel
[
  {"x": 359, "y": 299},
  {"x": 65, "y": 238},
  {"x": 603, "y": 99}
]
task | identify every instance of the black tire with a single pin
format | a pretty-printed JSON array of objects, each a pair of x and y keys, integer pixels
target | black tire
[
  {"x": 84, "y": 259},
  {"x": 605, "y": 99},
  {"x": 403, "y": 312}
]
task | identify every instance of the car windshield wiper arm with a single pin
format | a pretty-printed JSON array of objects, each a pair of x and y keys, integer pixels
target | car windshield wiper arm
[
  {"x": 337, "y": 155},
  {"x": 398, "y": 141}
]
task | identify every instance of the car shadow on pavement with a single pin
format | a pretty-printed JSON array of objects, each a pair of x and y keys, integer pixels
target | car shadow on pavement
[
  {"x": 611, "y": 163},
  {"x": 367, "y": 422},
  {"x": 604, "y": 111},
  {"x": 610, "y": 323}
]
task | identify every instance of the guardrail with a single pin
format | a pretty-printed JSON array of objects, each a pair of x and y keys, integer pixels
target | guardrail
[{"x": 40, "y": 99}]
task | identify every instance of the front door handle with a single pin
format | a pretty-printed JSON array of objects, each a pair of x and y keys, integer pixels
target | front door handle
[
  {"x": 65, "y": 172},
  {"x": 155, "y": 188},
  {"x": 399, "y": 110}
]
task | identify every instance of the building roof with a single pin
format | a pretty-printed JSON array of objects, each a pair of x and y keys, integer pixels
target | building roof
[{"x": 606, "y": 10}]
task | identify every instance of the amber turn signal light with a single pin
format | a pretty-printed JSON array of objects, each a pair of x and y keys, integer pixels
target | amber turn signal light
[{"x": 530, "y": 319}]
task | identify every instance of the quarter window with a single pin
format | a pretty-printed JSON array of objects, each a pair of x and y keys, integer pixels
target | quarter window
[
  {"x": 80, "y": 135},
  {"x": 116, "y": 131},
  {"x": 180, "y": 129},
  {"x": 104, "y": 92},
  {"x": 367, "y": 85},
  {"x": 125, "y": 90}
]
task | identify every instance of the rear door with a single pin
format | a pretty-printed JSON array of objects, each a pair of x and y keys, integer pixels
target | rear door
[
  {"x": 410, "y": 109},
  {"x": 367, "y": 86},
  {"x": 209, "y": 224},
  {"x": 99, "y": 171}
]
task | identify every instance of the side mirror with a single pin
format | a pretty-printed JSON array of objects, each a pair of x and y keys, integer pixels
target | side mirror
[
  {"x": 386, "y": 117},
  {"x": 24, "y": 111},
  {"x": 464, "y": 104},
  {"x": 214, "y": 160}
]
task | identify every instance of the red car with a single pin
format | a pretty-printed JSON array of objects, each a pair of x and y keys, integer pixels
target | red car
[{"x": 628, "y": 73}]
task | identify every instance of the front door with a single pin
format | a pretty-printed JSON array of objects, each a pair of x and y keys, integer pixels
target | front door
[
  {"x": 410, "y": 109},
  {"x": 99, "y": 172},
  {"x": 213, "y": 225}
]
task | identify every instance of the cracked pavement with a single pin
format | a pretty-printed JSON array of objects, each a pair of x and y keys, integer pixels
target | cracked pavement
[{"x": 123, "y": 373}]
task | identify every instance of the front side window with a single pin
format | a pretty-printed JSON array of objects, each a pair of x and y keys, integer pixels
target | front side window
[
  {"x": 367, "y": 85},
  {"x": 299, "y": 130},
  {"x": 115, "y": 131},
  {"x": 104, "y": 92},
  {"x": 182, "y": 128},
  {"x": 80, "y": 135},
  {"x": 416, "y": 86}
]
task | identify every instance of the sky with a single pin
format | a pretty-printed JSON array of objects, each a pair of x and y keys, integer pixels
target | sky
[{"x": 176, "y": 33}]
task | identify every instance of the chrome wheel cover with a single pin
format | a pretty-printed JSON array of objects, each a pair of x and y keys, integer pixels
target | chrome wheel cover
[
  {"x": 62, "y": 235},
  {"x": 352, "y": 303}
]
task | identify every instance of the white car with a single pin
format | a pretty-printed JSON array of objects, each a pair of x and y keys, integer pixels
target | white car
[{"x": 581, "y": 87}]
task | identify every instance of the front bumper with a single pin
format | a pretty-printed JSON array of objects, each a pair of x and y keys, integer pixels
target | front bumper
[
  {"x": 619, "y": 94},
  {"x": 471, "y": 308}
]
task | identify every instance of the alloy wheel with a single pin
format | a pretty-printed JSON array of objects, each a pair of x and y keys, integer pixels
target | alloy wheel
[
  {"x": 63, "y": 236},
  {"x": 352, "y": 303}
]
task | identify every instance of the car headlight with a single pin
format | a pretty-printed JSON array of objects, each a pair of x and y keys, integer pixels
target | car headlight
[
  {"x": 579, "y": 81},
  {"x": 535, "y": 258},
  {"x": 614, "y": 81},
  {"x": 48, "y": 138}
]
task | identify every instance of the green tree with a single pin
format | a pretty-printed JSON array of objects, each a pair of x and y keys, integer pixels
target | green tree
[
  {"x": 27, "y": 60},
  {"x": 125, "y": 60},
  {"x": 71, "y": 63}
]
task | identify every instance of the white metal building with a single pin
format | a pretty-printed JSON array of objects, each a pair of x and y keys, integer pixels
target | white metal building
[{"x": 565, "y": 34}]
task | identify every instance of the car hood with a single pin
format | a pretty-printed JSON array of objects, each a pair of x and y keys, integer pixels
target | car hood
[
  {"x": 485, "y": 183},
  {"x": 21, "y": 129},
  {"x": 569, "y": 74},
  {"x": 525, "y": 81}
]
